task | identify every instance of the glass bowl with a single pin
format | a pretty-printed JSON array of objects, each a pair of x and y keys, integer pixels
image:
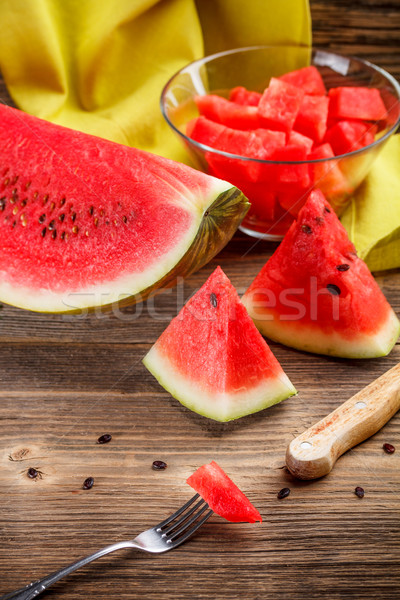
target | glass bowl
[{"x": 277, "y": 189}]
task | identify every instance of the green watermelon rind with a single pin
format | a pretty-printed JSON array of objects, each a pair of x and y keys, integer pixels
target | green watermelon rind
[
  {"x": 203, "y": 402},
  {"x": 313, "y": 340},
  {"x": 215, "y": 220}
]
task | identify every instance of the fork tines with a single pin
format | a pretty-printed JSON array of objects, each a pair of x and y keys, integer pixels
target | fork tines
[{"x": 189, "y": 520}]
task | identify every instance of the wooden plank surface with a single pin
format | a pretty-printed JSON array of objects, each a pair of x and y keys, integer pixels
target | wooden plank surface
[{"x": 66, "y": 380}]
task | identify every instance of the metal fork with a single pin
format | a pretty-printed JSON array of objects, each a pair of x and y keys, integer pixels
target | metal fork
[{"x": 165, "y": 536}]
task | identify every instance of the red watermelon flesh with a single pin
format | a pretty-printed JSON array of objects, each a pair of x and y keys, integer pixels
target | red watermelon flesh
[
  {"x": 312, "y": 117},
  {"x": 228, "y": 113},
  {"x": 298, "y": 139},
  {"x": 241, "y": 95},
  {"x": 349, "y": 135},
  {"x": 356, "y": 103},
  {"x": 327, "y": 176},
  {"x": 308, "y": 79},
  {"x": 86, "y": 222},
  {"x": 279, "y": 105},
  {"x": 212, "y": 358},
  {"x": 315, "y": 294},
  {"x": 222, "y": 495}
]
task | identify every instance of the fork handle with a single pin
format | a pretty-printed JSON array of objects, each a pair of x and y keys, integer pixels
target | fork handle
[{"x": 37, "y": 587}]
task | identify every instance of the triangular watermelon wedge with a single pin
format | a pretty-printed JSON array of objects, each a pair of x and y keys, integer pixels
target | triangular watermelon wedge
[
  {"x": 212, "y": 358},
  {"x": 222, "y": 495},
  {"x": 315, "y": 294}
]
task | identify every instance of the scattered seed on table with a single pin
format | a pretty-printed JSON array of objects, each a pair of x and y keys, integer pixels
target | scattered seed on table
[
  {"x": 283, "y": 493},
  {"x": 104, "y": 439},
  {"x": 32, "y": 473},
  {"x": 388, "y": 448},
  {"x": 159, "y": 465},
  {"x": 359, "y": 491},
  {"x": 88, "y": 483}
]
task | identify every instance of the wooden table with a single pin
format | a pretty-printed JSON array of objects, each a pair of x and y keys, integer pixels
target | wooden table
[{"x": 66, "y": 380}]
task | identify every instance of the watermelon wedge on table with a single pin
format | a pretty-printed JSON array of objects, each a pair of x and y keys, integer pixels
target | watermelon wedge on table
[
  {"x": 212, "y": 358},
  {"x": 315, "y": 294},
  {"x": 85, "y": 222},
  {"x": 222, "y": 495}
]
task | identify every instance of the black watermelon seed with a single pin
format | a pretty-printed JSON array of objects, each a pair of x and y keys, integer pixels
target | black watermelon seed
[
  {"x": 23, "y": 202},
  {"x": 32, "y": 473},
  {"x": 2, "y": 203},
  {"x": 159, "y": 465},
  {"x": 42, "y": 218},
  {"x": 343, "y": 267},
  {"x": 359, "y": 491},
  {"x": 88, "y": 483},
  {"x": 91, "y": 210},
  {"x": 319, "y": 220},
  {"x": 62, "y": 236},
  {"x": 62, "y": 201},
  {"x": 307, "y": 229},
  {"x": 333, "y": 289},
  {"x": 43, "y": 233},
  {"x": 283, "y": 493},
  {"x": 61, "y": 217},
  {"x": 124, "y": 218},
  {"x": 104, "y": 439},
  {"x": 51, "y": 225},
  {"x": 213, "y": 300},
  {"x": 328, "y": 210},
  {"x": 73, "y": 217},
  {"x": 388, "y": 448},
  {"x": 54, "y": 234}
]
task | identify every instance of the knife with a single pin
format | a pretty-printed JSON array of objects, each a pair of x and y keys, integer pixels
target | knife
[{"x": 314, "y": 453}]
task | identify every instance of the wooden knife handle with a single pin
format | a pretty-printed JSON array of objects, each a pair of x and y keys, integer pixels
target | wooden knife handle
[{"x": 313, "y": 453}]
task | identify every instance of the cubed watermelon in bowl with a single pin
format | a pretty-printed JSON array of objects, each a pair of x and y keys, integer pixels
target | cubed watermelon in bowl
[{"x": 280, "y": 121}]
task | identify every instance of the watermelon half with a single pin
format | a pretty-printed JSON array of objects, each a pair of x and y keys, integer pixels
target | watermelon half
[
  {"x": 222, "y": 495},
  {"x": 315, "y": 294},
  {"x": 212, "y": 358},
  {"x": 86, "y": 222}
]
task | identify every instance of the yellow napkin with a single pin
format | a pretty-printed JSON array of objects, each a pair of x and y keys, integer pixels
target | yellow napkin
[
  {"x": 373, "y": 217},
  {"x": 100, "y": 66}
]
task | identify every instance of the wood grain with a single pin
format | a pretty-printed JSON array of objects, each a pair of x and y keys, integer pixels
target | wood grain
[{"x": 64, "y": 381}]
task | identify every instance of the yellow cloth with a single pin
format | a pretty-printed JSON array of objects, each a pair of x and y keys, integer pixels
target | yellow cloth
[
  {"x": 100, "y": 65},
  {"x": 373, "y": 217}
]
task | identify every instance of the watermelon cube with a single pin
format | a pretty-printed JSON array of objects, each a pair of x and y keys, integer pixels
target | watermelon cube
[
  {"x": 349, "y": 135},
  {"x": 356, "y": 103},
  {"x": 312, "y": 116},
  {"x": 240, "y": 95},
  {"x": 327, "y": 175},
  {"x": 228, "y": 113},
  {"x": 298, "y": 139},
  {"x": 308, "y": 79},
  {"x": 204, "y": 131},
  {"x": 222, "y": 495},
  {"x": 292, "y": 172},
  {"x": 279, "y": 105}
]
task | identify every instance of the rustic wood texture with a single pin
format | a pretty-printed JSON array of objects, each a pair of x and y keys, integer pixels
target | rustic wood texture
[{"x": 65, "y": 380}]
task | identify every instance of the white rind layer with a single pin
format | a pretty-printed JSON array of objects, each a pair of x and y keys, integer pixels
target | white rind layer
[
  {"x": 295, "y": 334},
  {"x": 219, "y": 406},
  {"x": 115, "y": 291}
]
